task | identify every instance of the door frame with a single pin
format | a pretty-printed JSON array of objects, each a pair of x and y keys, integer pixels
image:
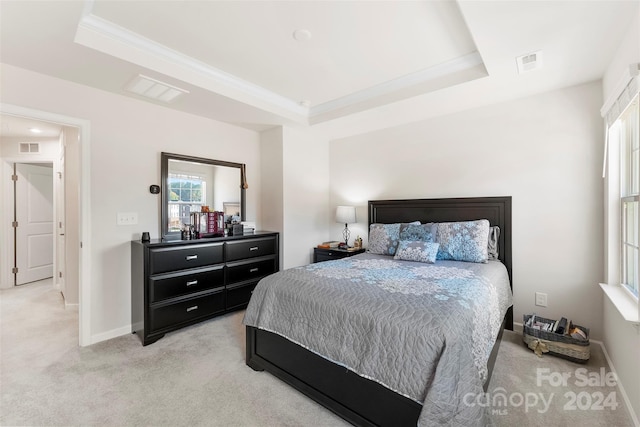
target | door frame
[{"x": 84, "y": 225}]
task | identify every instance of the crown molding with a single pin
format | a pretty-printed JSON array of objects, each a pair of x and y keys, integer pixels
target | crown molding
[
  {"x": 105, "y": 36},
  {"x": 457, "y": 65}
]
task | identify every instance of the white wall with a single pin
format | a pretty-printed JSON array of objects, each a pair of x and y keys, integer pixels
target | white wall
[
  {"x": 306, "y": 194},
  {"x": 545, "y": 151},
  {"x": 271, "y": 183},
  {"x": 621, "y": 339},
  {"x": 627, "y": 53},
  {"x": 127, "y": 137},
  {"x": 295, "y": 191}
]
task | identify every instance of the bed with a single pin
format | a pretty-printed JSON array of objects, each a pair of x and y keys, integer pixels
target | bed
[{"x": 351, "y": 375}]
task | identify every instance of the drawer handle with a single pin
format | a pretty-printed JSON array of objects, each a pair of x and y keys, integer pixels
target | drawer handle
[
  {"x": 255, "y": 248},
  {"x": 195, "y": 307},
  {"x": 253, "y": 270},
  {"x": 191, "y": 257},
  {"x": 191, "y": 283}
]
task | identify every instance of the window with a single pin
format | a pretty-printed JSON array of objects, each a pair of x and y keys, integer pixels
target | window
[
  {"x": 626, "y": 128},
  {"x": 186, "y": 194},
  {"x": 621, "y": 171}
]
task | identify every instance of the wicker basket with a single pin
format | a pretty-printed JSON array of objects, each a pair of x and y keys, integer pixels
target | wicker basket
[{"x": 564, "y": 346}]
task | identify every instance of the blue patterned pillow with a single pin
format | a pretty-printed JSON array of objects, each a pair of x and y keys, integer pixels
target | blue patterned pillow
[
  {"x": 419, "y": 251},
  {"x": 384, "y": 238},
  {"x": 418, "y": 232},
  {"x": 463, "y": 241}
]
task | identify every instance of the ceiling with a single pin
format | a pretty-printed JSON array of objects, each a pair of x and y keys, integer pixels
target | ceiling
[
  {"x": 23, "y": 127},
  {"x": 264, "y": 63}
]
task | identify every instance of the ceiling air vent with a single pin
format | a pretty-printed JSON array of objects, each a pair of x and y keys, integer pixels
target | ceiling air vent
[
  {"x": 530, "y": 61},
  {"x": 154, "y": 89},
  {"x": 29, "y": 147}
]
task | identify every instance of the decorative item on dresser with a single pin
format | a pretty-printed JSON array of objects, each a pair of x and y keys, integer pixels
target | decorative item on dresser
[
  {"x": 178, "y": 283},
  {"x": 324, "y": 254}
]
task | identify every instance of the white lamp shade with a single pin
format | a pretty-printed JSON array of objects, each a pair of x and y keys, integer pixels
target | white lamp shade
[{"x": 346, "y": 214}]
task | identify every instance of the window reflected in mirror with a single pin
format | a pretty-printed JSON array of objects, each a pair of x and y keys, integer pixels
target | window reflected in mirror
[{"x": 194, "y": 184}]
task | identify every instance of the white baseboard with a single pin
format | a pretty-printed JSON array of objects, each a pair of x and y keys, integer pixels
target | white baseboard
[
  {"x": 517, "y": 327},
  {"x": 627, "y": 402},
  {"x": 114, "y": 333},
  {"x": 73, "y": 307}
]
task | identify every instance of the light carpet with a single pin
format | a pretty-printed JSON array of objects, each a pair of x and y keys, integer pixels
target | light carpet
[{"x": 197, "y": 376}]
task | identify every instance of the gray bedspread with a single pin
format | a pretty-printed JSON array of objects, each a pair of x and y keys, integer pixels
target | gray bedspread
[{"x": 422, "y": 330}]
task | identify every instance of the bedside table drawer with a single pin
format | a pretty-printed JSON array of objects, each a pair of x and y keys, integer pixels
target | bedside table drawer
[
  {"x": 322, "y": 254},
  {"x": 172, "y": 259},
  {"x": 324, "y": 257},
  {"x": 173, "y": 285},
  {"x": 186, "y": 310}
]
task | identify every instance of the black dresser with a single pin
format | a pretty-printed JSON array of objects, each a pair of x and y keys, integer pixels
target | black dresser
[{"x": 178, "y": 283}]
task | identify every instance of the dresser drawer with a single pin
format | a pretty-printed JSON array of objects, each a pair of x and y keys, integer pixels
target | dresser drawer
[
  {"x": 243, "y": 271},
  {"x": 171, "y": 285},
  {"x": 166, "y": 259},
  {"x": 239, "y": 296},
  {"x": 243, "y": 249},
  {"x": 174, "y": 314}
]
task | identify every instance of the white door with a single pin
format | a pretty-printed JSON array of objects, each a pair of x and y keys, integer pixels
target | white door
[
  {"x": 34, "y": 215},
  {"x": 60, "y": 253}
]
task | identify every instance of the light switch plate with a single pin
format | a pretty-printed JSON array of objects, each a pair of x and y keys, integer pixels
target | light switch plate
[{"x": 127, "y": 218}]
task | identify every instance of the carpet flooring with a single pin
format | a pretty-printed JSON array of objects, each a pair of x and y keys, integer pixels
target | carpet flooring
[{"x": 197, "y": 377}]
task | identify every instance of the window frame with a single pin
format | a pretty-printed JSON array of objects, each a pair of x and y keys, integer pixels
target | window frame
[{"x": 628, "y": 176}]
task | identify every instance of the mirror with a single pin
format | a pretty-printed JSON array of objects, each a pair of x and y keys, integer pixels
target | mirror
[{"x": 189, "y": 183}]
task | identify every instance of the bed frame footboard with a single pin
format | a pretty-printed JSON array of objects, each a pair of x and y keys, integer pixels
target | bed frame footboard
[{"x": 360, "y": 401}]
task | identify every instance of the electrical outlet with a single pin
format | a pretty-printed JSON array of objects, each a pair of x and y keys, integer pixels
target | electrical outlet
[
  {"x": 541, "y": 299},
  {"x": 127, "y": 218}
]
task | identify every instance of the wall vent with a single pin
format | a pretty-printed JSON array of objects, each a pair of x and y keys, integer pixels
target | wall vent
[
  {"x": 530, "y": 61},
  {"x": 29, "y": 147}
]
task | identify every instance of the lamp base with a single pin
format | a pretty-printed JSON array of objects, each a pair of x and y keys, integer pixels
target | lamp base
[{"x": 345, "y": 235}]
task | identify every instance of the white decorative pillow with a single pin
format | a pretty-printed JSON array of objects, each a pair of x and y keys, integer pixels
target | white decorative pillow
[{"x": 420, "y": 251}]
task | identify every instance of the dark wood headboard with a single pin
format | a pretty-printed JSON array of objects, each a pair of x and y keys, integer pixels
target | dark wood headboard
[{"x": 495, "y": 209}]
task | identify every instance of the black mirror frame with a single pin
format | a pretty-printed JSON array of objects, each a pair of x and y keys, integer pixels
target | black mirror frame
[{"x": 164, "y": 175}]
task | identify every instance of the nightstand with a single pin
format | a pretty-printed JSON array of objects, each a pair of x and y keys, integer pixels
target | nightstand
[{"x": 321, "y": 254}]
